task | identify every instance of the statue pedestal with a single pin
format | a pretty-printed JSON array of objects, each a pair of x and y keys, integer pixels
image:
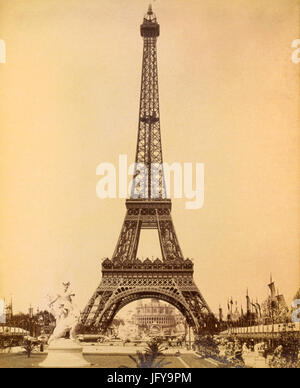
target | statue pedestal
[{"x": 64, "y": 353}]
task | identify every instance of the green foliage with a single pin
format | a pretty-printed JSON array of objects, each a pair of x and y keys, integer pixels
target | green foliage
[
  {"x": 147, "y": 360},
  {"x": 297, "y": 296},
  {"x": 28, "y": 346},
  {"x": 207, "y": 346},
  {"x": 272, "y": 311},
  {"x": 118, "y": 321},
  {"x": 290, "y": 343},
  {"x": 6, "y": 343},
  {"x": 151, "y": 358},
  {"x": 154, "y": 348},
  {"x": 286, "y": 354}
]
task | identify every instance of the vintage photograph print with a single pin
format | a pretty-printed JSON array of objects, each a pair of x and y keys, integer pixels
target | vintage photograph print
[{"x": 150, "y": 186}]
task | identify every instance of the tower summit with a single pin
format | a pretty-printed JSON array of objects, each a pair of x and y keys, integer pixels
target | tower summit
[{"x": 150, "y": 27}]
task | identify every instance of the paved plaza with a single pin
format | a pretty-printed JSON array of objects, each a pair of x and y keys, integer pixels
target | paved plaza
[{"x": 105, "y": 356}]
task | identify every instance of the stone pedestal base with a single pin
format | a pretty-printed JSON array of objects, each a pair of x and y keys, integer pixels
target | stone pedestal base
[{"x": 64, "y": 353}]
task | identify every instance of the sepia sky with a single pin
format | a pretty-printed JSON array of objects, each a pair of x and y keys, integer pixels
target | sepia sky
[{"x": 229, "y": 98}]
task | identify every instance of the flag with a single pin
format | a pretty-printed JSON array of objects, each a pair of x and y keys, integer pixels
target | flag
[
  {"x": 272, "y": 288},
  {"x": 229, "y": 314},
  {"x": 236, "y": 315},
  {"x": 220, "y": 314},
  {"x": 255, "y": 308},
  {"x": 258, "y": 309},
  {"x": 248, "y": 303}
]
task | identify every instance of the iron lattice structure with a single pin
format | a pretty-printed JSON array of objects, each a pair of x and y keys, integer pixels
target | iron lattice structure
[
  {"x": 124, "y": 277},
  {"x": 149, "y": 182}
]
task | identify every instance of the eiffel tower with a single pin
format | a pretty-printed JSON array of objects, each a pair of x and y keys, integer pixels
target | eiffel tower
[{"x": 125, "y": 278}]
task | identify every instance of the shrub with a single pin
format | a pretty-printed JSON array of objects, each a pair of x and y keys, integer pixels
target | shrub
[{"x": 28, "y": 346}]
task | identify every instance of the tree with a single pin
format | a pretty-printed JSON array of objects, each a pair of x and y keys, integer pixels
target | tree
[
  {"x": 118, "y": 321},
  {"x": 286, "y": 354},
  {"x": 144, "y": 360},
  {"x": 154, "y": 348},
  {"x": 297, "y": 296},
  {"x": 150, "y": 357},
  {"x": 274, "y": 312},
  {"x": 207, "y": 346},
  {"x": 28, "y": 346}
]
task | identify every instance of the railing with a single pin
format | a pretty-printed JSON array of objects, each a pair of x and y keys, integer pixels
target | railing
[
  {"x": 264, "y": 329},
  {"x": 7, "y": 330}
]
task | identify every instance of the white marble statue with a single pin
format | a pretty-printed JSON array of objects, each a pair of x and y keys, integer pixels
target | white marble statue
[{"x": 65, "y": 314}]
